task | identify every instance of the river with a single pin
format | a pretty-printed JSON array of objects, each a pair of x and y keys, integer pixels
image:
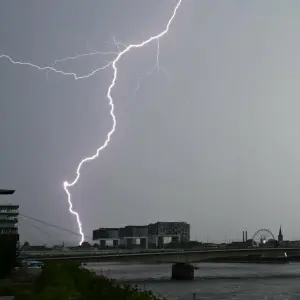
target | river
[{"x": 213, "y": 281}]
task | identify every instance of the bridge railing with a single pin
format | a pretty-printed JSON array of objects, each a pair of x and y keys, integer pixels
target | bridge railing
[{"x": 95, "y": 252}]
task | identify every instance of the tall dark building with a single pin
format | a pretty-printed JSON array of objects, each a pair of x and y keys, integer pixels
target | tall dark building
[
  {"x": 9, "y": 219},
  {"x": 280, "y": 235},
  {"x": 8, "y": 216}
]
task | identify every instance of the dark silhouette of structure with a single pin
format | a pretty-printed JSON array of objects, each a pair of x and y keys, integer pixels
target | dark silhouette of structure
[
  {"x": 280, "y": 235},
  {"x": 8, "y": 216},
  {"x": 6, "y": 192},
  {"x": 8, "y": 236},
  {"x": 245, "y": 236}
]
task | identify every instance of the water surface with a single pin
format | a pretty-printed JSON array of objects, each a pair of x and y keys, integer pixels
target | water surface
[{"x": 212, "y": 280}]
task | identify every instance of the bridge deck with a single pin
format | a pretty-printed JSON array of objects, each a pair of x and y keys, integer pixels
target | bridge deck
[{"x": 165, "y": 256}]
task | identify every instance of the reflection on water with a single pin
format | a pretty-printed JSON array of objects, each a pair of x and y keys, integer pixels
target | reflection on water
[{"x": 213, "y": 280}]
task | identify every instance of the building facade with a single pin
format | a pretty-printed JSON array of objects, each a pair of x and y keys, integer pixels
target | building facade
[
  {"x": 180, "y": 230},
  {"x": 9, "y": 219},
  {"x": 152, "y": 234},
  {"x": 9, "y": 216},
  {"x": 106, "y": 234}
]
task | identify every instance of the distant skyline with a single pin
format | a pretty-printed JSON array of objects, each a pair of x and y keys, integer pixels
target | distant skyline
[{"x": 213, "y": 141}]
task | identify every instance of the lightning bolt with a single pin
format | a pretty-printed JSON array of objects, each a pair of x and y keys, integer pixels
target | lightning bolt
[
  {"x": 156, "y": 67},
  {"x": 112, "y": 108},
  {"x": 113, "y": 65},
  {"x": 73, "y": 58},
  {"x": 47, "y": 68}
]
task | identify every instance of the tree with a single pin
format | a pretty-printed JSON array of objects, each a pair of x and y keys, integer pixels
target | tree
[
  {"x": 86, "y": 245},
  {"x": 26, "y": 244},
  {"x": 61, "y": 281}
]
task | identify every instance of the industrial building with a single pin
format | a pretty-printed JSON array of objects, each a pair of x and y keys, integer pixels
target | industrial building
[
  {"x": 151, "y": 235},
  {"x": 105, "y": 234}
]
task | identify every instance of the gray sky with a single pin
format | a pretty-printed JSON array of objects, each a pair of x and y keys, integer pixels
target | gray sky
[{"x": 214, "y": 143}]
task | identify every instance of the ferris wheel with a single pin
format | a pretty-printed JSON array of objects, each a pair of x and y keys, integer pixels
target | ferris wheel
[{"x": 262, "y": 237}]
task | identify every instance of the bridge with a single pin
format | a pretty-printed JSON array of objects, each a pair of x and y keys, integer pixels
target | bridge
[
  {"x": 66, "y": 252},
  {"x": 161, "y": 256}
]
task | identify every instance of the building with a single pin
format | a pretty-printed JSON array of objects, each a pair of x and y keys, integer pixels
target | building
[
  {"x": 104, "y": 234},
  {"x": 177, "y": 231},
  {"x": 152, "y": 234},
  {"x": 130, "y": 235},
  {"x": 280, "y": 235},
  {"x": 9, "y": 217}
]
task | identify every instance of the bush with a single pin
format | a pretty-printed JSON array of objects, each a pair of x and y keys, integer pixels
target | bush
[
  {"x": 8, "y": 254},
  {"x": 69, "y": 281}
]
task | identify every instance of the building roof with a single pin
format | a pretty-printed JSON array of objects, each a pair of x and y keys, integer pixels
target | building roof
[
  {"x": 107, "y": 229},
  {"x": 9, "y": 206},
  {"x": 6, "y": 192}
]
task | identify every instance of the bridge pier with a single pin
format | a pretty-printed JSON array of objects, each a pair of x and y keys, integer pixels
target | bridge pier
[
  {"x": 102, "y": 244},
  {"x": 160, "y": 242},
  {"x": 175, "y": 239},
  {"x": 144, "y": 243},
  {"x": 130, "y": 242},
  {"x": 182, "y": 271}
]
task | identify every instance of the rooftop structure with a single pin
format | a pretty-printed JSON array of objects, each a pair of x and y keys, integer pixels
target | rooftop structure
[{"x": 6, "y": 192}]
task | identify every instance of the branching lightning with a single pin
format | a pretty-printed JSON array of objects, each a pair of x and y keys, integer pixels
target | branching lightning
[
  {"x": 156, "y": 67},
  {"x": 113, "y": 65},
  {"x": 52, "y": 68}
]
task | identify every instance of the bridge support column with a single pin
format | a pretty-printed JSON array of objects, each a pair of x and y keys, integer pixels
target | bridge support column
[
  {"x": 130, "y": 242},
  {"x": 122, "y": 242},
  {"x": 182, "y": 271},
  {"x": 160, "y": 242},
  {"x": 152, "y": 241},
  {"x": 175, "y": 239},
  {"x": 144, "y": 243},
  {"x": 102, "y": 244}
]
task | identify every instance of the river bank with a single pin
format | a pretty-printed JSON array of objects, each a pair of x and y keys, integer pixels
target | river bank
[
  {"x": 213, "y": 281},
  {"x": 70, "y": 281}
]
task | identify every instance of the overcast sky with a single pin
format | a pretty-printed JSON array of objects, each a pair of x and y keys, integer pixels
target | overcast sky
[{"x": 214, "y": 142}]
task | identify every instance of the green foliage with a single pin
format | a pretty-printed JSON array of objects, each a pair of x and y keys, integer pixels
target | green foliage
[
  {"x": 8, "y": 254},
  {"x": 70, "y": 282}
]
